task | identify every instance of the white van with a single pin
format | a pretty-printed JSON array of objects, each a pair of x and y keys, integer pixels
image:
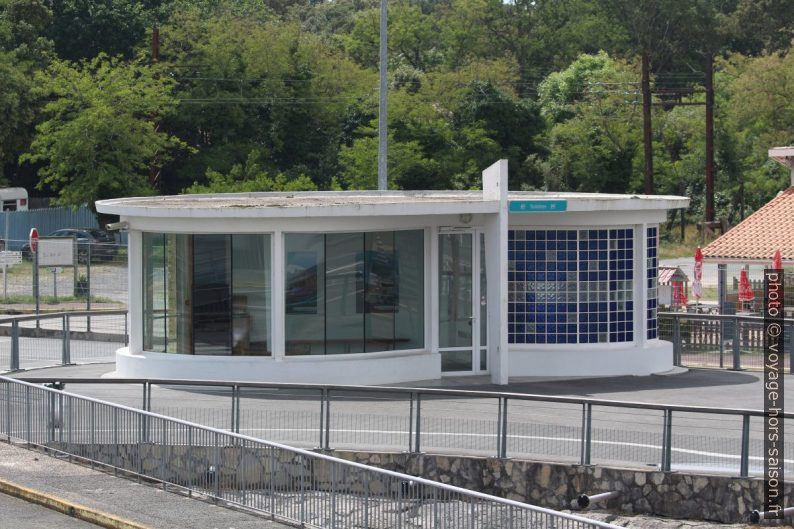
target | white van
[{"x": 14, "y": 198}]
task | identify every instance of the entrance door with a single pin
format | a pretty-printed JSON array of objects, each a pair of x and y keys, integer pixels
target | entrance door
[{"x": 462, "y": 322}]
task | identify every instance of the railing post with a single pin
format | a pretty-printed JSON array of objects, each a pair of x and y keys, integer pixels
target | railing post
[
  {"x": 234, "y": 407},
  {"x": 327, "y": 419},
  {"x": 14, "y": 346},
  {"x": 418, "y": 421},
  {"x": 737, "y": 360},
  {"x": 322, "y": 418},
  {"x": 66, "y": 356},
  {"x": 788, "y": 334},
  {"x": 410, "y": 421},
  {"x": 677, "y": 345},
  {"x": 667, "y": 441},
  {"x": 744, "y": 467},
  {"x": 8, "y": 411},
  {"x": 503, "y": 446},
  {"x": 587, "y": 433}
]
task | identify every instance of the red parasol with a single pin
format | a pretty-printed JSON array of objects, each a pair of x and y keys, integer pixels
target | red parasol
[
  {"x": 679, "y": 297},
  {"x": 777, "y": 261},
  {"x": 697, "y": 286},
  {"x": 745, "y": 291}
]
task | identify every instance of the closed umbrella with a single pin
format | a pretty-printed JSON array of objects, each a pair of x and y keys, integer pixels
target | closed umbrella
[
  {"x": 745, "y": 291},
  {"x": 777, "y": 261},
  {"x": 697, "y": 285}
]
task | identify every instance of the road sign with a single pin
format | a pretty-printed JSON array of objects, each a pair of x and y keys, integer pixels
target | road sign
[
  {"x": 537, "y": 206},
  {"x": 33, "y": 239},
  {"x": 10, "y": 258}
]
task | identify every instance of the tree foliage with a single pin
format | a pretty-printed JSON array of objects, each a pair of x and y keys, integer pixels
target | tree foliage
[{"x": 99, "y": 132}]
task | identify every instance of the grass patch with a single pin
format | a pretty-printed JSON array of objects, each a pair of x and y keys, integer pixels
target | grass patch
[
  {"x": 50, "y": 300},
  {"x": 671, "y": 246}
]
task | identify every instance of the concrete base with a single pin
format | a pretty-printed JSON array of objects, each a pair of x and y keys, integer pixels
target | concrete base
[
  {"x": 371, "y": 368},
  {"x": 592, "y": 360}
]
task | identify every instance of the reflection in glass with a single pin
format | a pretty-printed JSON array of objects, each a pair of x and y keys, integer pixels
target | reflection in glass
[
  {"x": 206, "y": 294},
  {"x": 455, "y": 290},
  {"x": 304, "y": 292},
  {"x": 343, "y": 291},
  {"x": 250, "y": 294},
  {"x": 354, "y": 292}
]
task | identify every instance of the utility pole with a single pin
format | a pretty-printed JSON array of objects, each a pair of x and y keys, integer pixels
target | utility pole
[
  {"x": 154, "y": 172},
  {"x": 646, "y": 122},
  {"x": 383, "y": 147},
  {"x": 709, "y": 82}
]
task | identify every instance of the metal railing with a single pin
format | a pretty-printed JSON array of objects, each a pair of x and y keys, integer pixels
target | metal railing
[
  {"x": 549, "y": 428},
  {"x": 300, "y": 486},
  {"x": 720, "y": 340},
  {"x": 61, "y": 338}
]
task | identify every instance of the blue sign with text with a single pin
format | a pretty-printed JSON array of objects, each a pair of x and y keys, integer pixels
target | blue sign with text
[{"x": 537, "y": 206}]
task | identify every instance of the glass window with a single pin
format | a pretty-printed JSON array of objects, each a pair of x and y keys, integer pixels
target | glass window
[
  {"x": 652, "y": 277},
  {"x": 570, "y": 286},
  {"x": 354, "y": 292},
  {"x": 206, "y": 294},
  {"x": 250, "y": 294}
]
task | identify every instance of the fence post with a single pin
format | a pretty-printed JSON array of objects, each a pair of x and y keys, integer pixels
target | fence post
[
  {"x": 410, "y": 421},
  {"x": 66, "y": 357},
  {"x": 88, "y": 288},
  {"x": 235, "y": 410},
  {"x": 788, "y": 334},
  {"x": 737, "y": 360},
  {"x": 667, "y": 441},
  {"x": 587, "y": 432},
  {"x": 327, "y": 419},
  {"x": 503, "y": 447},
  {"x": 744, "y": 468},
  {"x": 418, "y": 421},
  {"x": 677, "y": 345},
  {"x": 14, "y": 346}
]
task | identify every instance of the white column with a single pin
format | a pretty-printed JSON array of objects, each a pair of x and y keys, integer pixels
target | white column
[
  {"x": 135, "y": 288},
  {"x": 494, "y": 185},
  {"x": 431, "y": 290},
  {"x": 277, "y": 323}
]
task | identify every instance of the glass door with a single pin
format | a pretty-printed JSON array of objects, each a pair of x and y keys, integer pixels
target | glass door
[{"x": 461, "y": 318}]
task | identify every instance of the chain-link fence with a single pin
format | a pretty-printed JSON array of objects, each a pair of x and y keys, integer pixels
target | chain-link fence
[{"x": 97, "y": 278}]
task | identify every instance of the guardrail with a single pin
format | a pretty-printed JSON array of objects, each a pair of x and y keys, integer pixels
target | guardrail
[
  {"x": 299, "y": 486},
  {"x": 729, "y": 341},
  {"x": 550, "y": 428},
  {"x": 62, "y": 338}
]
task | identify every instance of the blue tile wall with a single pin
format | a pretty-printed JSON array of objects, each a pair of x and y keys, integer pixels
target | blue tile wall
[
  {"x": 570, "y": 286},
  {"x": 652, "y": 275}
]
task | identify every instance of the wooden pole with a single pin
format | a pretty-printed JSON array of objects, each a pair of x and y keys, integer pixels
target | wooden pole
[{"x": 646, "y": 122}]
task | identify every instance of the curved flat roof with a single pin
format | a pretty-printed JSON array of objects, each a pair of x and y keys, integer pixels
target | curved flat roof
[{"x": 354, "y": 203}]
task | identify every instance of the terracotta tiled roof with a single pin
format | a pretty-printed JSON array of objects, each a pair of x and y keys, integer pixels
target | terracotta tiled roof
[
  {"x": 668, "y": 273},
  {"x": 759, "y": 235}
]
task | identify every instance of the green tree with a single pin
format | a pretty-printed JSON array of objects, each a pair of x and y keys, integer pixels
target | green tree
[
  {"x": 250, "y": 178},
  {"x": 99, "y": 134}
]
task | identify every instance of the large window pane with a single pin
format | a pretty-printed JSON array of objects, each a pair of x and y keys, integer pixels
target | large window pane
[
  {"x": 179, "y": 259},
  {"x": 305, "y": 293},
  {"x": 409, "y": 320},
  {"x": 354, "y": 292},
  {"x": 251, "y": 294},
  {"x": 381, "y": 291},
  {"x": 344, "y": 288},
  {"x": 212, "y": 294},
  {"x": 154, "y": 292}
]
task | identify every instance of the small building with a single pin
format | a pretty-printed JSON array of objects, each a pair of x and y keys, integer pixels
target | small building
[
  {"x": 671, "y": 278},
  {"x": 378, "y": 287},
  {"x": 752, "y": 243}
]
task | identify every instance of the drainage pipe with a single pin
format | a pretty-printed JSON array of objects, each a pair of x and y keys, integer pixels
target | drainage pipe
[{"x": 583, "y": 501}]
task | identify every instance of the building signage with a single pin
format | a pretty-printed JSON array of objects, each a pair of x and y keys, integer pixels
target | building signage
[{"x": 537, "y": 206}]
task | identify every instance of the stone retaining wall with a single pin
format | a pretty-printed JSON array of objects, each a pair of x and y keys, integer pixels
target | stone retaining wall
[{"x": 670, "y": 494}]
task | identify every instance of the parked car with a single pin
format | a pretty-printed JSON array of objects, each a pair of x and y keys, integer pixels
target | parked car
[{"x": 100, "y": 243}]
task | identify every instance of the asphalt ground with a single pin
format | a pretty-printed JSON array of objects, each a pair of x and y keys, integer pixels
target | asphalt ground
[
  {"x": 19, "y": 514},
  {"x": 140, "y": 503}
]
